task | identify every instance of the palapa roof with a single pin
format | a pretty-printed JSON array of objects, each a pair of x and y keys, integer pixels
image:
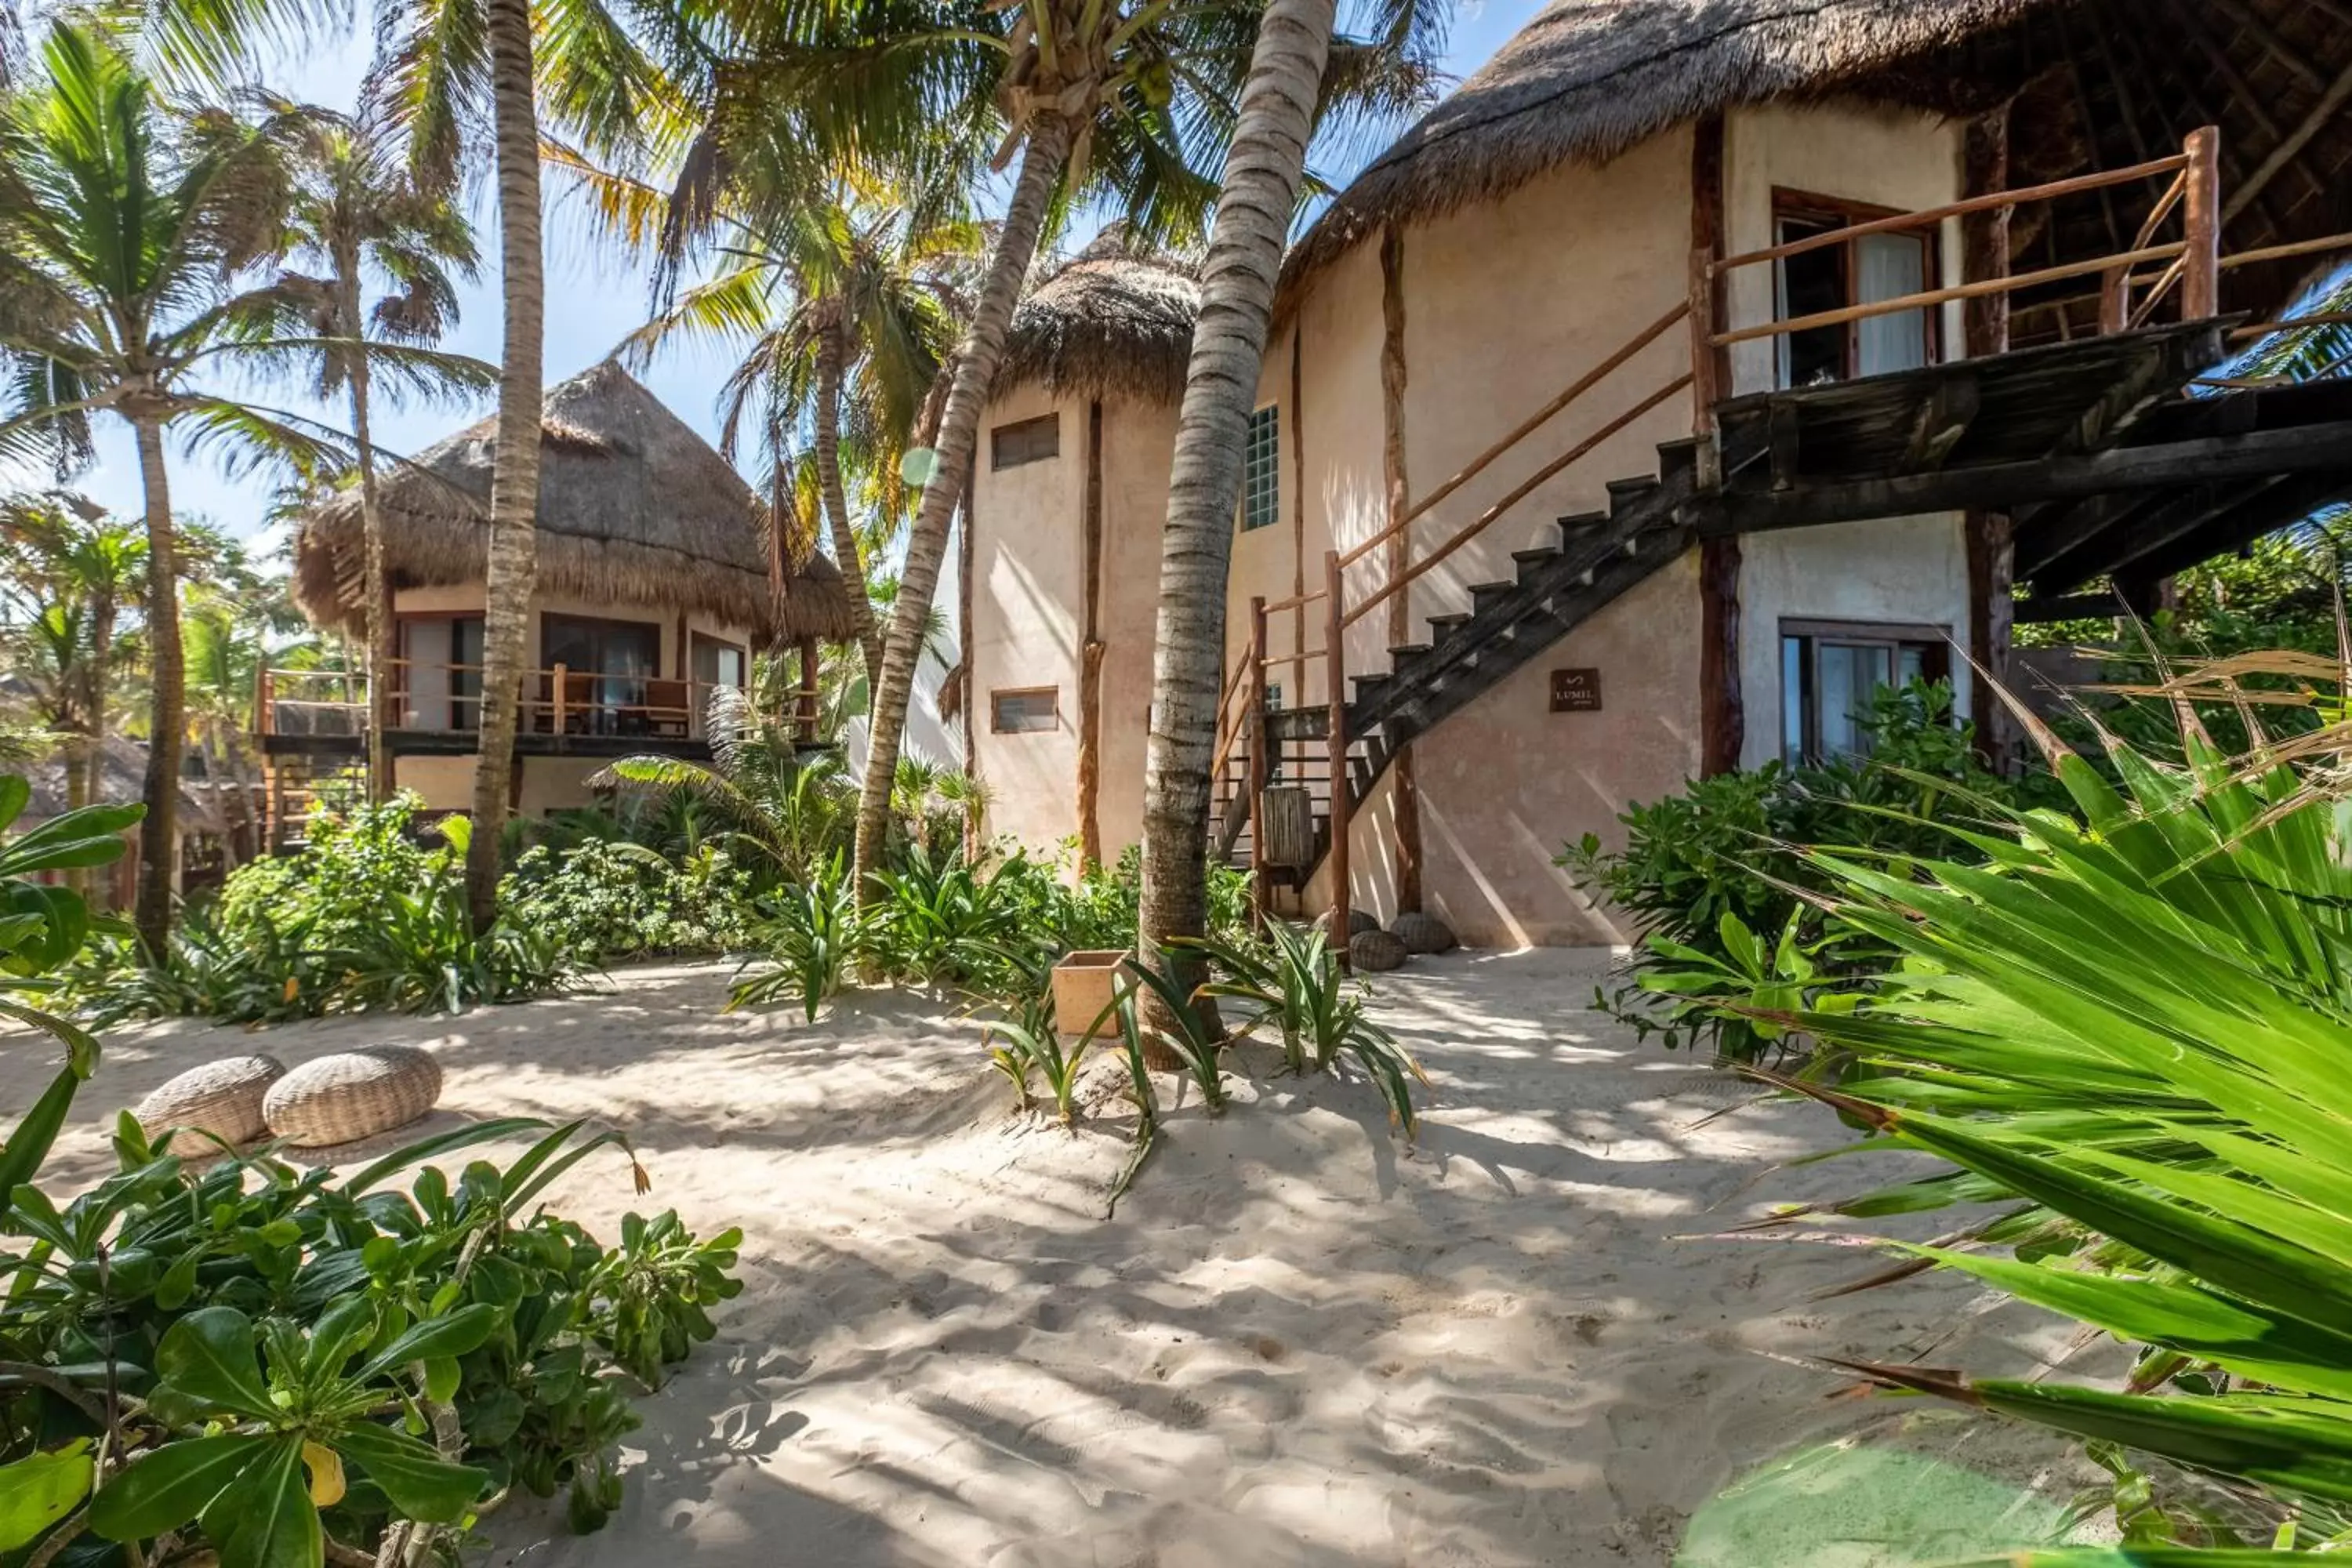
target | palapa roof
[
  {"x": 634, "y": 507},
  {"x": 121, "y": 781},
  {"x": 1115, "y": 321},
  {"x": 2099, "y": 84}
]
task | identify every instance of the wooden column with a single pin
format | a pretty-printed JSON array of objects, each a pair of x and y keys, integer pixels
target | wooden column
[
  {"x": 965, "y": 555},
  {"x": 1404, "y": 793},
  {"x": 1261, "y": 897},
  {"x": 1722, "y": 715},
  {"x": 1090, "y": 647},
  {"x": 1985, "y": 252},
  {"x": 2200, "y": 273},
  {"x": 805, "y": 721},
  {"x": 1335, "y": 738}
]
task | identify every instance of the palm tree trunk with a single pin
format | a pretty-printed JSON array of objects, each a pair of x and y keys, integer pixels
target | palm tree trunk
[
  {"x": 1048, "y": 147},
  {"x": 831, "y": 352},
  {"x": 159, "y": 832},
  {"x": 1262, "y": 171},
  {"x": 514, "y": 478},
  {"x": 380, "y": 652}
]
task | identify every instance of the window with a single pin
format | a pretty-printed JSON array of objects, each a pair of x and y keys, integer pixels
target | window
[
  {"x": 1830, "y": 673},
  {"x": 717, "y": 663},
  {"x": 1855, "y": 271},
  {"x": 1025, "y": 712},
  {"x": 441, "y": 681},
  {"x": 607, "y": 665},
  {"x": 1025, "y": 441},
  {"x": 1262, "y": 470}
]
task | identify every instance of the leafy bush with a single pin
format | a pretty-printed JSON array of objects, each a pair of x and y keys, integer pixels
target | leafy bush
[
  {"x": 2131, "y": 1021},
  {"x": 1292, "y": 979},
  {"x": 365, "y": 916},
  {"x": 1708, "y": 874},
  {"x": 810, "y": 934},
  {"x": 611, "y": 899}
]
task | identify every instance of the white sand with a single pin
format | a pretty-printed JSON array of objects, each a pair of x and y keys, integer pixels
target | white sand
[{"x": 1297, "y": 1343}]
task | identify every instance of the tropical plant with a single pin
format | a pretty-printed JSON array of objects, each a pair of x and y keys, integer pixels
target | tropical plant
[
  {"x": 272, "y": 1365},
  {"x": 939, "y": 920},
  {"x": 2129, "y": 1021},
  {"x": 121, "y": 233},
  {"x": 1179, "y": 1025},
  {"x": 1293, "y": 982},
  {"x": 811, "y": 934},
  {"x": 613, "y": 899},
  {"x": 1018, "y": 1049},
  {"x": 1264, "y": 171},
  {"x": 355, "y": 212}
]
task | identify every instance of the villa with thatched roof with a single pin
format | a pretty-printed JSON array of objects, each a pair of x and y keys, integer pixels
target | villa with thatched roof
[
  {"x": 655, "y": 586},
  {"x": 1696, "y": 369}
]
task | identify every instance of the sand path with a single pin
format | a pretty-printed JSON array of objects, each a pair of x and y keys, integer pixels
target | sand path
[{"x": 1298, "y": 1345}]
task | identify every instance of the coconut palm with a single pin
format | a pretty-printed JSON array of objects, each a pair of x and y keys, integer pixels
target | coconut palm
[
  {"x": 122, "y": 231},
  {"x": 356, "y": 214},
  {"x": 1264, "y": 171}
]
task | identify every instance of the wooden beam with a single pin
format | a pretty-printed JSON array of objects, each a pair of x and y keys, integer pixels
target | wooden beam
[
  {"x": 2272, "y": 43},
  {"x": 2331, "y": 103},
  {"x": 1336, "y": 743},
  {"x": 1406, "y": 797},
  {"x": 1985, "y": 252},
  {"x": 1943, "y": 422},
  {"x": 966, "y": 556},
  {"x": 1090, "y": 646},
  {"x": 1722, "y": 715},
  {"x": 2315, "y": 448}
]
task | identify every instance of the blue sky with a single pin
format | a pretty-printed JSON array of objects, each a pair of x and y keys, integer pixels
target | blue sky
[{"x": 593, "y": 300}]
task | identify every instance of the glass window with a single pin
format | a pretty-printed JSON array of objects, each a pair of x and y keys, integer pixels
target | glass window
[
  {"x": 1025, "y": 712},
  {"x": 1831, "y": 675},
  {"x": 1262, "y": 470},
  {"x": 1860, "y": 271},
  {"x": 440, "y": 679},
  {"x": 606, "y": 666},
  {"x": 1889, "y": 266},
  {"x": 1025, "y": 441}
]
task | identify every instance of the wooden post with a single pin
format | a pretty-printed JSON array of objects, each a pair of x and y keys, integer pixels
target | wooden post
[
  {"x": 805, "y": 727},
  {"x": 1336, "y": 672},
  {"x": 1705, "y": 393},
  {"x": 555, "y": 717},
  {"x": 1985, "y": 253},
  {"x": 1260, "y": 895},
  {"x": 265, "y": 719},
  {"x": 1710, "y": 365},
  {"x": 1723, "y": 719},
  {"x": 1090, "y": 647},
  {"x": 2200, "y": 275},
  {"x": 2115, "y": 301}
]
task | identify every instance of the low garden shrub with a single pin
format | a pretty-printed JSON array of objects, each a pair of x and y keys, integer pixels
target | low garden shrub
[{"x": 611, "y": 901}]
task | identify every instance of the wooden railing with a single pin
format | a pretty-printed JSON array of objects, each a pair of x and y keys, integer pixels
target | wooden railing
[{"x": 556, "y": 700}]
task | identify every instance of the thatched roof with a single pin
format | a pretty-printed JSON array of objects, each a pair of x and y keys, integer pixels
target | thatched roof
[
  {"x": 1587, "y": 80},
  {"x": 121, "y": 781},
  {"x": 634, "y": 507},
  {"x": 1114, "y": 320}
]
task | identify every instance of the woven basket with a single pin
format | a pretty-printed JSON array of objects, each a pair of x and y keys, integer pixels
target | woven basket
[
  {"x": 1425, "y": 933},
  {"x": 222, "y": 1098},
  {"x": 355, "y": 1095},
  {"x": 1359, "y": 923},
  {"x": 1373, "y": 951}
]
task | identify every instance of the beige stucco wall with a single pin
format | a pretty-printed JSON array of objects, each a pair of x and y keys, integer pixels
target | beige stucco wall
[{"x": 1911, "y": 571}]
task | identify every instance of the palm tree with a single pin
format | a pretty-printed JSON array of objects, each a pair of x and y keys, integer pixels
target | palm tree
[
  {"x": 850, "y": 305},
  {"x": 1264, "y": 170},
  {"x": 357, "y": 211},
  {"x": 121, "y": 234},
  {"x": 443, "y": 61}
]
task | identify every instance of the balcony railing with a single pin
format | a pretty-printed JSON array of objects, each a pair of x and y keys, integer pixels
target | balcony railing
[{"x": 437, "y": 698}]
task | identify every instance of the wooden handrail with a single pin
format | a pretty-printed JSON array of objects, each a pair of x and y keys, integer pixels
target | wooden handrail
[
  {"x": 2162, "y": 210},
  {"x": 1526, "y": 427},
  {"x": 1976, "y": 290},
  {"x": 1926, "y": 216},
  {"x": 2285, "y": 252},
  {"x": 2292, "y": 323},
  {"x": 1672, "y": 389},
  {"x": 1277, "y": 607}
]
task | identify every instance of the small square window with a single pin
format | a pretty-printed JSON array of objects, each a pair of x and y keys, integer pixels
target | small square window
[
  {"x": 1025, "y": 712},
  {"x": 1025, "y": 441},
  {"x": 1832, "y": 673},
  {"x": 1262, "y": 470}
]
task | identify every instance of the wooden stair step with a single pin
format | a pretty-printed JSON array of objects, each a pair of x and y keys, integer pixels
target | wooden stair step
[
  {"x": 1626, "y": 494},
  {"x": 1482, "y": 595},
  {"x": 1442, "y": 627},
  {"x": 1578, "y": 524}
]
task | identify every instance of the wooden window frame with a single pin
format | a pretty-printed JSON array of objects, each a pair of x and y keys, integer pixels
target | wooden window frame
[
  {"x": 1840, "y": 212},
  {"x": 1274, "y": 460},
  {"x": 400, "y": 621},
  {"x": 997, "y": 462},
  {"x": 1935, "y": 642},
  {"x": 996, "y": 725}
]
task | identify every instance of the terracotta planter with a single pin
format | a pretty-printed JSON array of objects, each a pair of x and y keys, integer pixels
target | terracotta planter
[{"x": 1083, "y": 984}]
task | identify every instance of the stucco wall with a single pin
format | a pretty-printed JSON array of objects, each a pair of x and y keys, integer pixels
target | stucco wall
[
  {"x": 1025, "y": 606},
  {"x": 1138, "y": 438}
]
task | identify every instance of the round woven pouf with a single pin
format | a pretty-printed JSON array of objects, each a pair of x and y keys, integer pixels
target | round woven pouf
[
  {"x": 1373, "y": 951},
  {"x": 222, "y": 1098},
  {"x": 1359, "y": 923},
  {"x": 353, "y": 1095},
  {"x": 1425, "y": 933}
]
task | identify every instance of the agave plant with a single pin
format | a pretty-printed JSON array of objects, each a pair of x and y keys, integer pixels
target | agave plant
[{"x": 2133, "y": 1021}]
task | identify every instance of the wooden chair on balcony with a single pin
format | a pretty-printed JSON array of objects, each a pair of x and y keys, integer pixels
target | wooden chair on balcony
[
  {"x": 667, "y": 710},
  {"x": 574, "y": 714}
]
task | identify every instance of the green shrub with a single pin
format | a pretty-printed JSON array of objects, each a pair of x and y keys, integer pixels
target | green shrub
[
  {"x": 611, "y": 901},
  {"x": 810, "y": 935},
  {"x": 2130, "y": 1022}
]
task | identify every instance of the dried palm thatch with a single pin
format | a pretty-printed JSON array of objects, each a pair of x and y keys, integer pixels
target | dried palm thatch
[
  {"x": 1587, "y": 80},
  {"x": 634, "y": 508},
  {"x": 1115, "y": 321}
]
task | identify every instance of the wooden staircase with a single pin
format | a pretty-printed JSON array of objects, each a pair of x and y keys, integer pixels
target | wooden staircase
[{"x": 296, "y": 785}]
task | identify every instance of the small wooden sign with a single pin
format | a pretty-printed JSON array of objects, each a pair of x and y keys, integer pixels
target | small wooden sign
[{"x": 1576, "y": 691}]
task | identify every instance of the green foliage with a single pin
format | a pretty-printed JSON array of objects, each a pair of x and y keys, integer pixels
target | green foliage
[
  {"x": 2130, "y": 1020},
  {"x": 1292, "y": 979},
  {"x": 365, "y": 916},
  {"x": 1020, "y": 1049},
  {"x": 609, "y": 900},
  {"x": 810, "y": 934},
  {"x": 1703, "y": 871},
  {"x": 290, "y": 1358}
]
